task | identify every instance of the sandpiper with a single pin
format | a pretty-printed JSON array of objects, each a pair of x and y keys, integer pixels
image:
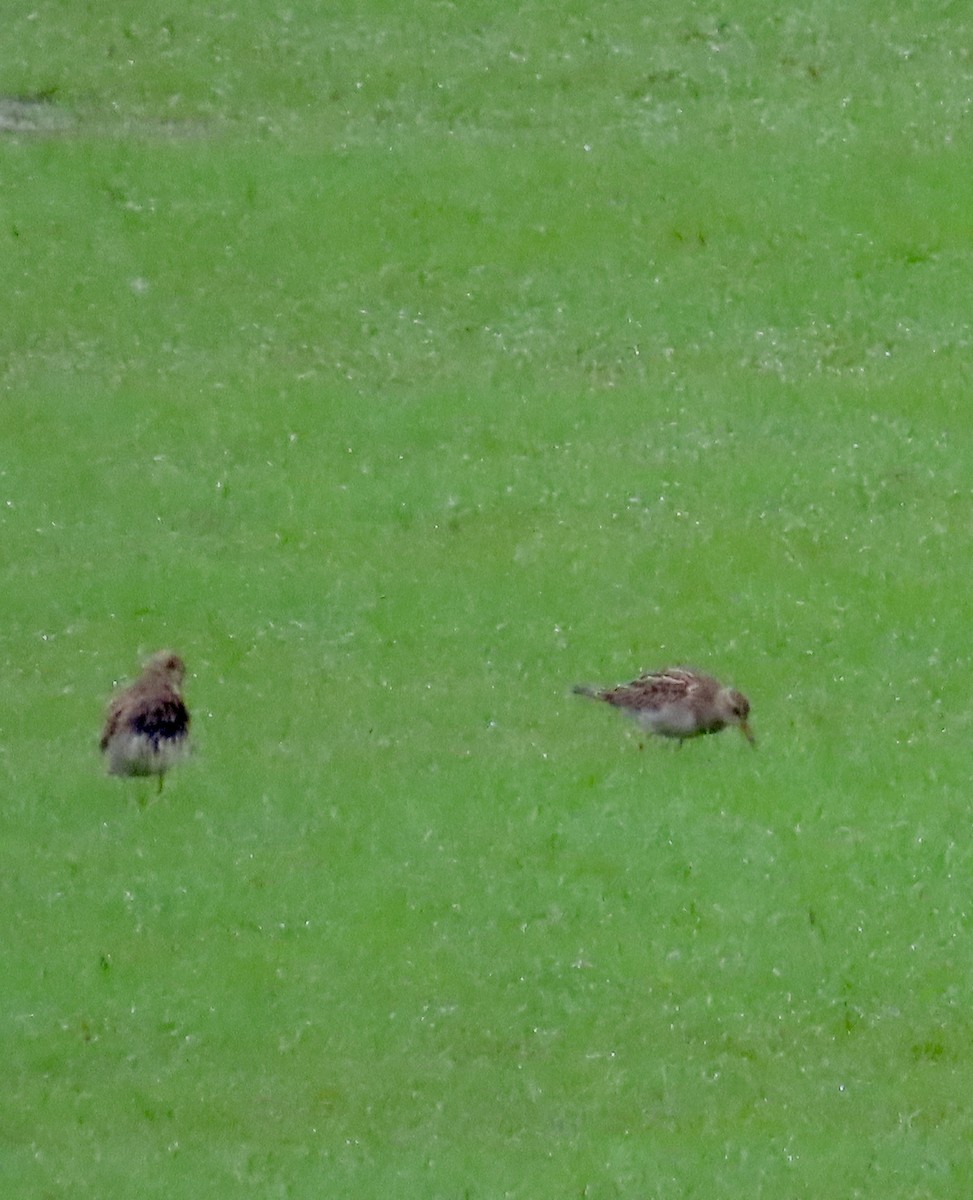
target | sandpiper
[
  {"x": 147, "y": 728},
  {"x": 679, "y": 703}
]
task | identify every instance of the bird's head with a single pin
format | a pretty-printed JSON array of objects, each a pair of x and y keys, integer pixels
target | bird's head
[
  {"x": 168, "y": 666},
  {"x": 736, "y": 711}
]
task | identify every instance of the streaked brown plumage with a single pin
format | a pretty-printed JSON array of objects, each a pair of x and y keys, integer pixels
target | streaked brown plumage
[
  {"x": 679, "y": 703},
  {"x": 147, "y": 728}
]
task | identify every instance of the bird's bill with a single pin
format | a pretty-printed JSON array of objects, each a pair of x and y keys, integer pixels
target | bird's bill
[{"x": 748, "y": 733}]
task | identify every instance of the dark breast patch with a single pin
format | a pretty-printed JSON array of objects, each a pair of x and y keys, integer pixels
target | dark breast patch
[{"x": 163, "y": 721}]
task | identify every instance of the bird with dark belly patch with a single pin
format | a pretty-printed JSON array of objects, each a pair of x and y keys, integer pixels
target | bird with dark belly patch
[{"x": 147, "y": 727}]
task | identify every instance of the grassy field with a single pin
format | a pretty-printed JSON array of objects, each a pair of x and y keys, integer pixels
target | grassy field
[{"x": 402, "y": 366}]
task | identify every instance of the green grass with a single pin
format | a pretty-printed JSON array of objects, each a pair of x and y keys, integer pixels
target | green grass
[{"x": 402, "y": 368}]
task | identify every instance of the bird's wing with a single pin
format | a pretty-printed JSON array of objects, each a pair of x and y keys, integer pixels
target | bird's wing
[{"x": 111, "y": 722}]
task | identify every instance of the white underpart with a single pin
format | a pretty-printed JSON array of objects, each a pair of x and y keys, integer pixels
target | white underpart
[
  {"x": 137, "y": 754},
  {"x": 669, "y": 720}
]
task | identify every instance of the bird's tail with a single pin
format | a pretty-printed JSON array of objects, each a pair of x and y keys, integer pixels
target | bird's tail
[{"x": 583, "y": 689}]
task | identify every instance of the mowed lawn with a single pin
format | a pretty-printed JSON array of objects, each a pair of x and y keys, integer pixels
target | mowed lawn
[{"x": 402, "y": 368}]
